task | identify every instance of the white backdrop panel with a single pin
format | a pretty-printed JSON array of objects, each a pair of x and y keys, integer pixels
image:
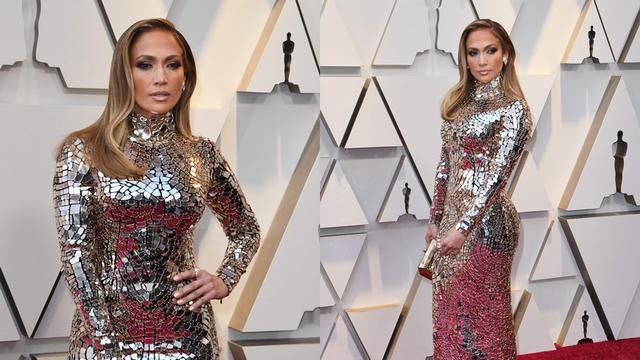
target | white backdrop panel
[
  {"x": 580, "y": 46},
  {"x": 453, "y": 17},
  {"x": 375, "y": 327},
  {"x": 597, "y": 179},
  {"x": 613, "y": 269},
  {"x": 27, "y": 200},
  {"x": 415, "y": 104},
  {"x": 503, "y": 11},
  {"x": 339, "y": 255},
  {"x": 618, "y": 17},
  {"x": 61, "y": 44},
  {"x": 295, "y": 262},
  {"x": 407, "y": 34},
  {"x": 414, "y": 340},
  {"x": 11, "y": 26},
  {"x": 337, "y": 47},
  {"x": 270, "y": 67},
  {"x": 123, "y": 13}
]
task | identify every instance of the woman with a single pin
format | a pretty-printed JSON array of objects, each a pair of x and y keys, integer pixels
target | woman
[
  {"x": 128, "y": 191},
  {"x": 487, "y": 124}
]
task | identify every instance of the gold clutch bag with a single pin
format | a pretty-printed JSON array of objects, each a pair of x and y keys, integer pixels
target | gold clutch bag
[{"x": 426, "y": 264}]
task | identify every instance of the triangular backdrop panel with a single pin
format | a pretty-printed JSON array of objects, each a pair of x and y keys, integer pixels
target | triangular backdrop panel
[
  {"x": 394, "y": 206},
  {"x": 375, "y": 327},
  {"x": 338, "y": 101},
  {"x": 580, "y": 46},
  {"x": 338, "y": 194},
  {"x": 533, "y": 335},
  {"x": 56, "y": 320},
  {"x": 123, "y": 13},
  {"x": 8, "y": 330},
  {"x": 58, "y": 26},
  {"x": 31, "y": 278},
  {"x": 614, "y": 269},
  {"x": 266, "y": 68},
  {"x": 412, "y": 340},
  {"x": 555, "y": 259},
  {"x": 407, "y": 34},
  {"x": 295, "y": 262},
  {"x": 415, "y": 104},
  {"x": 618, "y": 17},
  {"x": 372, "y": 127},
  {"x": 341, "y": 344},
  {"x": 529, "y": 193},
  {"x": 534, "y": 228},
  {"x": 12, "y": 24},
  {"x": 536, "y": 89},
  {"x": 337, "y": 47},
  {"x": 504, "y": 12},
  {"x": 597, "y": 179},
  {"x": 328, "y": 318},
  {"x": 338, "y": 255},
  {"x": 453, "y": 17},
  {"x": 594, "y": 327},
  {"x": 208, "y": 122}
]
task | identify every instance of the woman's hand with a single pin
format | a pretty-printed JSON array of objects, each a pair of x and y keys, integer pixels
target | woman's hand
[
  {"x": 451, "y": 243},
  {"x": 432, "y": 232},
  {"x": 203, "y": 288}
]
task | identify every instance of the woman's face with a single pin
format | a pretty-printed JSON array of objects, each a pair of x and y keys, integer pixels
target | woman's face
[
  {"x": 158, "y": 72},
  {"x": 484, "y": 55}
]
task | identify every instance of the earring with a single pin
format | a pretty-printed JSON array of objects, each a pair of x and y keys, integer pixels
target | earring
[
  {"x": 183, "y": 86},
  {"x": 504, "y": 60}
]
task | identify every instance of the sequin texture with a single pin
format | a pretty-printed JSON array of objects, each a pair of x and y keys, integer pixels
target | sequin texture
[
  {"x": 471, "y": 289},
  {"x": 122, "y": 240}
]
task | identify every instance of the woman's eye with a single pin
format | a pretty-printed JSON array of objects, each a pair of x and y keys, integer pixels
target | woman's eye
[
  {"x": 143, "y": 66},
  {"x": 492, "y": 51},
  {"x": 473, "y": 53},
  {"x": 174, "y": 66}
]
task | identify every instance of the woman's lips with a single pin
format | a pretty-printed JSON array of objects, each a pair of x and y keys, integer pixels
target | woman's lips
[{"x": 160, "y": 96}]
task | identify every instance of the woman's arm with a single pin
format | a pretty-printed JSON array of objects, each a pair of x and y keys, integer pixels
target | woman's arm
[
  {"x": 226, "y": 200},
  {"x": 74, "y": 201},
  {"x": 440, "y": 187},
  {"x": 515, "y": 130}
]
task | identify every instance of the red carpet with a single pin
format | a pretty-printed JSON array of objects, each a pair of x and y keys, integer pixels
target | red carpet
[{"x": 628, "y": 349}]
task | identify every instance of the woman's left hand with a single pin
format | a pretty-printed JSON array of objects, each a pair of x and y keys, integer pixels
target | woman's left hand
[
  {"x": 203, "y": 288},
  {"x": 451, "y": 243}
]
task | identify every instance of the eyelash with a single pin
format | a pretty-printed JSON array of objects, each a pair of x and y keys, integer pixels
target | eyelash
[
  {"x": 491, "y": 51},
  {"x": 147, "y": 66}
]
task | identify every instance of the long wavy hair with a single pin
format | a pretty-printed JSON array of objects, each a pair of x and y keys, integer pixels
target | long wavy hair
[
  {"x": 105, "y": 138},
  {"x": 511, "y": 86}
]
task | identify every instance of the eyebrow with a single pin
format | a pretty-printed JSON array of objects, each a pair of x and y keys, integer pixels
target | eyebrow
[
  {"x": 150, "y": 57},
  {"x": 486, "y": 47}
]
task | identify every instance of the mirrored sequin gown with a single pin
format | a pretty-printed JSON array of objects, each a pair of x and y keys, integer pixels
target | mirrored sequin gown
[
  {"x": 122, "y": 240},
  {"x": 472, "y": 316}
]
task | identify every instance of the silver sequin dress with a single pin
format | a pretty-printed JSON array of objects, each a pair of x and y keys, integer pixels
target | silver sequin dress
[
  {"x": 472, "y": 316},
  {"x": 122, "y": 240}
]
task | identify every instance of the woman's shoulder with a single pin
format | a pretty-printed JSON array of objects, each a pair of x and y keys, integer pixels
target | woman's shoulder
[
  {"x": 204, "y": 146},
  {"x": 73, "y": 148}
]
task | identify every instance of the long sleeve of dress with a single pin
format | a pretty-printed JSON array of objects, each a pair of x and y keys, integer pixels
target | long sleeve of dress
[
  {"x": 440, "y": 187},
  {"x": 228, "y": 203},
  {"x": 74, "y": 202},
  {"x": 513, "y": 132}
]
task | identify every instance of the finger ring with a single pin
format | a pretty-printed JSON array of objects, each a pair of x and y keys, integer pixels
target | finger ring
[
  {"x": 196, "y": 270},
  {"x": 191, "y": 302}
]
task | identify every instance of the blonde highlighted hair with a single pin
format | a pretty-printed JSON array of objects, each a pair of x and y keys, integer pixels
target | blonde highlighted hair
[
  {"x": 458, "y": 93},
  {"x": 105, "y": 138}
]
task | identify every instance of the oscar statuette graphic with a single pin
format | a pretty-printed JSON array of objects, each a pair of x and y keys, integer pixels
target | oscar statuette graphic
[
  {"x": 287, "y": 48},
  {"x": 585, "y": 339},
  {"x": 591, "y": 59},
  {"x": 617, "y": 199}
]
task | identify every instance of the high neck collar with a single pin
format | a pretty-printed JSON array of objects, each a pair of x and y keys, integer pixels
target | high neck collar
[
  {"x": 489, "y": 90},
  {"x": 144, "y": 129}
]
